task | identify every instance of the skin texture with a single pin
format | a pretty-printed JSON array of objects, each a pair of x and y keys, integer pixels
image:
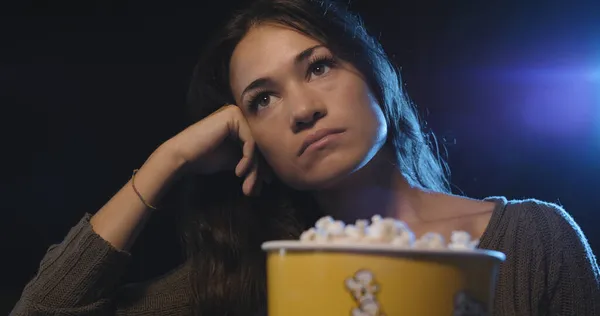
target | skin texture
[
  {"x": 300, "y": 97},
  {"x": 287, "y": 89}
]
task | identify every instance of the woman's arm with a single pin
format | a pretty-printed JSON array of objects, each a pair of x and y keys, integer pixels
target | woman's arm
[
  {"x": 121, "y": 219},
  {"x": 80, "y": 274}
]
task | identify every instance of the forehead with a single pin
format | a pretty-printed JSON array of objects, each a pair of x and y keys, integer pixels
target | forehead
[{"x": 265, "y": 49}]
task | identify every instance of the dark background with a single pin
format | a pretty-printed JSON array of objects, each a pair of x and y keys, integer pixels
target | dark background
[{"x": 89, "y": 89}]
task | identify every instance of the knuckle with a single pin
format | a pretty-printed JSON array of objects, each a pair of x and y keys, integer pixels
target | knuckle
[
  {"x": 233, "y": 112},
  {"x": 232, "y": 108}
]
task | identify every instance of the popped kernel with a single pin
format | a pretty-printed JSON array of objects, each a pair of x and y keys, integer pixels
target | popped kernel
[{"x": 383, "y": 231}]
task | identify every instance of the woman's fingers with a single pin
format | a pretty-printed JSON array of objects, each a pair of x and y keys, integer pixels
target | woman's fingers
[{"x": 248, "y": 187}]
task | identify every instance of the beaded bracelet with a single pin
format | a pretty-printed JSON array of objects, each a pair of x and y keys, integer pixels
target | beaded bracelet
[{"x": 138, "y": 193}]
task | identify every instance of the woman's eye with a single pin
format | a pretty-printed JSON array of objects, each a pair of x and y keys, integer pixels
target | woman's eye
[
  {"x": 263, "y": 100},
  {"x": 320, "y": 69},
  {"x": 260, "y": 101}
]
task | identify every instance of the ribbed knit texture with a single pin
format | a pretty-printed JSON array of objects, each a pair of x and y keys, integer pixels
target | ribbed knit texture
[{"x": 550, "y": 270}]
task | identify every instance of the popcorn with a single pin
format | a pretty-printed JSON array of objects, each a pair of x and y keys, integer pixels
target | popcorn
[
  {"x": 376, "y": 218},
  {"x": 308, "y": 235},
  {"x": 461, "y": 240},
  {"x": 354, "y": 232},
  {"x": 431, "y": 241},
  {"x": 404, "y": 237},
  {"x": 403, "y": 242},
  {"x": 336, "y": 228},
  {"x": 383, "y": 231},
  {"x": 323, "y": 223},
  {"x": 362, "y": 225},
  {"x": 322, "y": 236}
]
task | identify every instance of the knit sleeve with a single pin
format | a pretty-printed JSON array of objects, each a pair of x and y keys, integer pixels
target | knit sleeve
[
  {"x": 572, "y": 274},
  {"x": 75, "y": 277}
]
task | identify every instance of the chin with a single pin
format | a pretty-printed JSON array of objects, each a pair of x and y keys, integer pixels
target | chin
[{"x": 330, "y": 172}]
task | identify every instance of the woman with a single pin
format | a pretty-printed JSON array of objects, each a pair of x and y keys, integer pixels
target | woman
[{"x": 320, "y": 125}]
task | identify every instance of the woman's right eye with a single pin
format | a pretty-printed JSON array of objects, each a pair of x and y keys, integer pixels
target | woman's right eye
[{"x": 261, "y": 100}]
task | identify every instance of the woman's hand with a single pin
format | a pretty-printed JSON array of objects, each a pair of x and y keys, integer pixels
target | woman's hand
[{"x": 221, "y": 141}]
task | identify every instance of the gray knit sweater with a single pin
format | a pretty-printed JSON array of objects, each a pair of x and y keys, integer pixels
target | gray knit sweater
[{"x": 550, "y": 270}]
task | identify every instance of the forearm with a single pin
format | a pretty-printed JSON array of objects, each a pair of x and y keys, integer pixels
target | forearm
[
  {"x": 121, "y": 219},
  {"x": 79, "y": 273}
]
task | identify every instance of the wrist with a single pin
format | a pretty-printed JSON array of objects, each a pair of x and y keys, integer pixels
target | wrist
[
  {"x": 166, "y": 162},
  {"x": 157, "y": 174}
]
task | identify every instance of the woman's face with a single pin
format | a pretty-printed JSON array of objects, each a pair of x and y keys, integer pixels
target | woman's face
[{"x": 312, "y": 116}]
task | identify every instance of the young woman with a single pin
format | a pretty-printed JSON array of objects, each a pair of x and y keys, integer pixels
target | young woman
[{"x": 316, "y": 122}]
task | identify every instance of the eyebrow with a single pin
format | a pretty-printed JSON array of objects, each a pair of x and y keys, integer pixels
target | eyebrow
[{"x": 262, "y": 82}]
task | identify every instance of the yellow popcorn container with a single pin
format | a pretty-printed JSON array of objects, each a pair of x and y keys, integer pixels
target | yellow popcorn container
[{"x": 376, "y": 280}]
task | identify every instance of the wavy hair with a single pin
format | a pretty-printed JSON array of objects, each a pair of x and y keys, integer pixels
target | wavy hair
[{"x": 222, "y": 229}]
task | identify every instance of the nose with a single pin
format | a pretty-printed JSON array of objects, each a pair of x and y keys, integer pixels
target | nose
[{"x": 306, "y": 112}]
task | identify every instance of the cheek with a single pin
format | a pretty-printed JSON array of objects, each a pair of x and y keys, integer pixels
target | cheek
[
  {"x": 272, "y": 146},
  {"x": 357, "y": 104},
  {"x": 349, "y": 90},
  {"x": 279, "y": 156},
  {"x": 366, "y": 115},
  {"x": 279, "y": 164},
  {"x": 275, "y": 142}
]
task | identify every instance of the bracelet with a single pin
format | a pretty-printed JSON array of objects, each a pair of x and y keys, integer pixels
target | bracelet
[{"x": 138, "y": 193}]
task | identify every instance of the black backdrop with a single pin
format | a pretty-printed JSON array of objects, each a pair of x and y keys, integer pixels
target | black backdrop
[{"x": 89, "y": 89}]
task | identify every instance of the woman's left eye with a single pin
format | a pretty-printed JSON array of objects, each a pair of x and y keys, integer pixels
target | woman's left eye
[{"x": 320, "y": 69}]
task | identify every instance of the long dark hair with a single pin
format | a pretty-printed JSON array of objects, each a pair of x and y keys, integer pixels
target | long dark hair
[{"x": 222, "y": 229}]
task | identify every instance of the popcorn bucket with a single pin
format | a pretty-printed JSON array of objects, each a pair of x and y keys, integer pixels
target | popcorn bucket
[{"x": 368, "y": 280}]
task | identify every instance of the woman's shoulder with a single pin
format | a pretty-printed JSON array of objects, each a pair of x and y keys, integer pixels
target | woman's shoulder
[
  {"x": 542, "y": 216},
  {"x": 532, "y": 223},
  {"x": 547, "y": 256}
]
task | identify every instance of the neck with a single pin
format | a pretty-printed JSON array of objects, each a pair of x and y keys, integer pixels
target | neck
[{"x": 378, "y": 188}]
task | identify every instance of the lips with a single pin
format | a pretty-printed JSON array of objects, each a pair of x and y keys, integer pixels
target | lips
[{"x": 316, "y": 136}]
